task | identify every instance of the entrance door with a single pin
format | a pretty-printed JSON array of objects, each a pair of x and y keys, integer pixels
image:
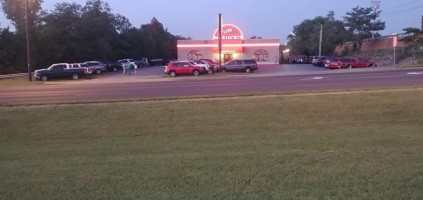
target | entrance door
[{"x": 227, "y": 58}]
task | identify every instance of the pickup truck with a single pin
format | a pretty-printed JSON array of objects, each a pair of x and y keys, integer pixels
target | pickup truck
[
  {"x": 60, "y": 70},
  {"x": 142, "y": 62}
]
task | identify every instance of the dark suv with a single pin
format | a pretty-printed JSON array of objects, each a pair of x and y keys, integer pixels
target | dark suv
[{"x": 242, "y": 65}]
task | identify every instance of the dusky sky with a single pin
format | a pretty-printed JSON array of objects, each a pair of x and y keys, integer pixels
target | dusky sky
[{"x": 272, "y": 19}]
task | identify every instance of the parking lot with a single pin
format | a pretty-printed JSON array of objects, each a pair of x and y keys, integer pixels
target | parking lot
[{"x": 157, "y": 72}]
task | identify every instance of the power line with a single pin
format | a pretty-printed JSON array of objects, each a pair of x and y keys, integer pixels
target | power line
[
  {"x": 401, "y": 11},
  {"x": 402, "y": 5}
]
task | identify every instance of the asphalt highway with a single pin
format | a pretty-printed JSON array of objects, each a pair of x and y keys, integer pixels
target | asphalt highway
[{"x": 192, "y": 86}]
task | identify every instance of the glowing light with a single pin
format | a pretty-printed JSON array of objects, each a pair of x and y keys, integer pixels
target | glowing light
[
  {"x": 228, "y": 51},
  {"x": 228, "y": 45},
  {"x": 229, "y": 32},
  {"x": 195, "y": 45}
]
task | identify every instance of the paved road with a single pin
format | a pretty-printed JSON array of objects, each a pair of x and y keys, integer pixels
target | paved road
[{"x": 207, "y": 85}]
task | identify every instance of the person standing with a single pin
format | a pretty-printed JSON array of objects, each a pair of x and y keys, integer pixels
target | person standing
[
  {"x": 128, "y": 68},
  {"x": 135, "y": 69},
  {"x": 124, "y": 68}
]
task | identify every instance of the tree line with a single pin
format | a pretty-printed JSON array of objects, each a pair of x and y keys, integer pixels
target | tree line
[
  {"x": 74, "y": 33},
  {"x": 358, "y": 25}
]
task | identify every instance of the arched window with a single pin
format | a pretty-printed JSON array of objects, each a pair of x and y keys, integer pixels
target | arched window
[
  {"x": 195, "y": 55},
  {"x": 261, "y": 55}
]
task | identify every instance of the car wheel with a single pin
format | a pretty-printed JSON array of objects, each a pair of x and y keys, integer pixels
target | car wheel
[
  {"x": 98, "y": 71},
  {"x": 247, "y": 70},
  {"x": 172, "y": 74},
  {"x": 195, "y": 73},
  {"x": 115, "y": 69},
  {"x": 75, "y": 76},
  {"x": 44, "y": 78}
]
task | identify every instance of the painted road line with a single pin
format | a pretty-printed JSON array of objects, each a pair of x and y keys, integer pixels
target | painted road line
[
  {"x": 312, "y": 78},
  {"x": 414, "y": 73}
]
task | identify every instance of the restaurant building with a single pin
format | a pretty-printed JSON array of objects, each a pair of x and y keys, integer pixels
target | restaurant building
[{"x": 234, "y": 46}]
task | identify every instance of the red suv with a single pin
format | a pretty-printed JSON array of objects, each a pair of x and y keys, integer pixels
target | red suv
[{"x": 181, "y": 67}]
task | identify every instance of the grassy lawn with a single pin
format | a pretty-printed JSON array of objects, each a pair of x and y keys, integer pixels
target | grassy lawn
[
  {"x": 25, "y": 81},
  {"x": 343, "y": 146},
  {"x": 19, "y": 81}
]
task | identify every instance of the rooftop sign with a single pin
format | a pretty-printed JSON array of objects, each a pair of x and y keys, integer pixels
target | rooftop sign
[{"x": 229, "y": 32}]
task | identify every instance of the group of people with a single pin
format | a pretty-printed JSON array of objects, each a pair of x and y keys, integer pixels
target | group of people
[{"x": 127, "y": 67}]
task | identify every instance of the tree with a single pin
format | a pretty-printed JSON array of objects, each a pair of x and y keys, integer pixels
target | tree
[
  {"x": 304, "y": 39},
  {"x": 413, "y": 40},
  {"x": 15, "y": 11},
  {"x": 361, "y": 22},
  {"x": 76, "y": 33}
]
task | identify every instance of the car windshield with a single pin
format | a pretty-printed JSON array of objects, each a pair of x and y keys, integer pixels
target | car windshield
[{"x": 91, "y": 63}]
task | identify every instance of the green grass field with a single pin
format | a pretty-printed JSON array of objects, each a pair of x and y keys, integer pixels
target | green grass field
[{"x": 335, "y": 146}]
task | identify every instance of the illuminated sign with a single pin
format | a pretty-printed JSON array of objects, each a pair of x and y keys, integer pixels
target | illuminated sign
[
  {"x": 229, "y": 45},
  {"x": 229, "y": 32}
]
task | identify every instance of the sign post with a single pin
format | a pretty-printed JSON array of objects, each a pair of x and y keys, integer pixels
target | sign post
[
  {"x": 395, "y": 44},
  {"x": 28, "y": 43},
  {"x": 220, "y": 41}
]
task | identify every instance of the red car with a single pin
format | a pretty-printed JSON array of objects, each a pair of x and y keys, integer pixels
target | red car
[
  {"x": 181, "y": 67},
  {"x": 338, "y": 63},
  {"x": 360, "y": 62}
]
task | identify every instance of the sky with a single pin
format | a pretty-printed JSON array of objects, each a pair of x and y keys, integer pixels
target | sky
[{"x": 269, "y": 19}]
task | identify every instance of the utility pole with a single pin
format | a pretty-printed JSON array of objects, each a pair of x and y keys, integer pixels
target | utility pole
[
  {"x": 395, "y": 43},
  {"x": 376, "y": 6},
  {"x": 28, "y": 43},
  {"x": 320, "y": 41},
  {"x": 220, "y": 41}
]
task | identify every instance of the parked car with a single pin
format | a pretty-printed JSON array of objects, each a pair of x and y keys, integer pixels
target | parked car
[
  {"x": 339, "y": 63},
  {"x": 244, "y": 65},
  {"x": 321, "y": 61},
  {"x": 316, "y": 60},
  {"x": 202, "y": 64},
  {"x": 81, "y": 65},
  {"x": 97, "y": 67},
  {"x": 334, "y": 63},
  {"x": 142, "y": 62},
  {"x": 157, "y": 62},
  {"x": 214, "y": 66},
  {"x": 60, "y": 70},
  {"x": 112, "y": 66},
  {"x": 298, "y": 60},
  {"x": 183, "y": 67},
  {"x": 361, "y": 62}
]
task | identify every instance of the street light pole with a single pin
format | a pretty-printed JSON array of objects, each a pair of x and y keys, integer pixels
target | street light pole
[
  {"x": 28, "y": 44},
  {"x": 320, "y": 41},
  {"x": 220, "y": 41},
  {"x": 395, "y": 43}
]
